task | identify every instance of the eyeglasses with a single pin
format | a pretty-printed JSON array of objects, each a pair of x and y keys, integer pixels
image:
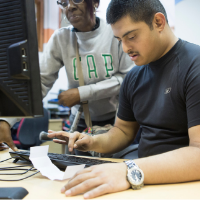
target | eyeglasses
[{"x": 64, "y": 3}]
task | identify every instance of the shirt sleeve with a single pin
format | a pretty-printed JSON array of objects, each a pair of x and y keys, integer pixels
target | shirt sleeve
[
  {"x": 10, "y": 121},
  {"x": 50, "y": 64},
  {"x": 192, "y": 95}
]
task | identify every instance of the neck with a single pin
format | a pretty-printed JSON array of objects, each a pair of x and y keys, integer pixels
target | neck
[
  {"x": 88, "y": 27},
  {"x": 168, "y": 41}
]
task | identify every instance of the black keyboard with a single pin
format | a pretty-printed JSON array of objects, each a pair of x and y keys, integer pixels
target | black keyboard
[{"x": 60, "y": 160}]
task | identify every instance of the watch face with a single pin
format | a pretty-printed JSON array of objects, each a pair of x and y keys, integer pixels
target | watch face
[{"x": 135, "y": 176}]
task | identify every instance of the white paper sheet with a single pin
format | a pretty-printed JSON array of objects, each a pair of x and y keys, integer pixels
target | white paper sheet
[{"x": 41, "y": 161}]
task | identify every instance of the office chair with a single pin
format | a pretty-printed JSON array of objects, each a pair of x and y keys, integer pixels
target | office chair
[
  {"x": 130, "y": 152},
  {"x": 29, "y": 130}
]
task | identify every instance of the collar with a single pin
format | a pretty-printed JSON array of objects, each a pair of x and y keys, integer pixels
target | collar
[
  {"x": 94, "y": 28},
  {"x": 171, "y": 53},
  {"x": 85, "y": 36}
]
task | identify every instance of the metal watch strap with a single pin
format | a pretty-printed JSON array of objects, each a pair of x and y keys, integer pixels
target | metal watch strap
[
  {"x": 130, "y": 164},
  {"x": 137, "y": 187}
]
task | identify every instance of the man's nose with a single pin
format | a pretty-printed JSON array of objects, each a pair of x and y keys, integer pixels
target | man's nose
[{"x": 126, "y": 46}]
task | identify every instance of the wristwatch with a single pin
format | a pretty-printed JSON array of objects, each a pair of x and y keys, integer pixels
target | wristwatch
[{"x": 135, "y": 175}]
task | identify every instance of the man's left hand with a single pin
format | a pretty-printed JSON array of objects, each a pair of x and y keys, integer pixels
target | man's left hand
[
  {"x": 98, "y": 180},
  {"x": 69, "y": 97}
]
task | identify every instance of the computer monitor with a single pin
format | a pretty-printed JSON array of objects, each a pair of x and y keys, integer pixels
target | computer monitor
[{"x": 20, "y": 87}]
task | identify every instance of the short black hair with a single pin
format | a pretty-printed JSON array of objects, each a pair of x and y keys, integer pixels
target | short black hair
[{"x": 138, "y": 10}]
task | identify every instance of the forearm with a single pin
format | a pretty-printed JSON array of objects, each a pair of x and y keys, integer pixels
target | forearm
[
  {"x": 110, "y": 142},
  {"x": 180, "y": 165},
  {"x": 102, "y": 89}
]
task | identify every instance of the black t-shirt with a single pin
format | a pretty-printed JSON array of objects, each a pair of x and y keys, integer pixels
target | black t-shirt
[{"x": 164, "y": 98}]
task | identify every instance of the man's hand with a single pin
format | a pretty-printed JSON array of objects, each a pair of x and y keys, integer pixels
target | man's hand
[
  {"x": 69, "y": 98},
  {"x": 5, "y": 136},
  {"x": 98, "y": 180},
  {"x": 76, "y": 140}
]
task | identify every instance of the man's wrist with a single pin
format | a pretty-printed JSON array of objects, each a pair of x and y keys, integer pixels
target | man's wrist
[
  {"x": 94, "y": 143},
  {"x": 135, "y": 175}
]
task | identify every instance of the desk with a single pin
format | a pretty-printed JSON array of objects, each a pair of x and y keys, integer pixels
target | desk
[{"x": 39, "y": 187}]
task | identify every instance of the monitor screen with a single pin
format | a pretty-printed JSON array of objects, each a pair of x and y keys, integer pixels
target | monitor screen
[{"x": 20, "y": 87}]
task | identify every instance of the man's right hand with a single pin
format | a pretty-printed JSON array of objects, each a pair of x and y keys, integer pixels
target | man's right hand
[
  {"x": 5, "y": 136},
  {"x": 76, "y": 140}
]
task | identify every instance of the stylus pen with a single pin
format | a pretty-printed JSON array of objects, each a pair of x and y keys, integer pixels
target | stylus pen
[
  {"x": 73, "y": 128},
  {"x": 44, "y": 135}
]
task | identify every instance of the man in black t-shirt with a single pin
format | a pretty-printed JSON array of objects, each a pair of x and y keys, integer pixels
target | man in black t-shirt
[
  {"x": 164, "y": 98},
  {"x": 161, "y": 95}
]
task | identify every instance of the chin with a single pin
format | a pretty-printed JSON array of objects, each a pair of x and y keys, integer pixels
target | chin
[
  {"x": 75, "y": 24},
  {"x": 141, "y": 63}
]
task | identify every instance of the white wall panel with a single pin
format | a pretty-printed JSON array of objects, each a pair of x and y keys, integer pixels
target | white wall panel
[{"x": 187, "y": 20}]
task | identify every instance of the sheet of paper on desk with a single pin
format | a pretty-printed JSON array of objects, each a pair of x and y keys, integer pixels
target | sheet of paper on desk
[{"x": 41, "y": 161}]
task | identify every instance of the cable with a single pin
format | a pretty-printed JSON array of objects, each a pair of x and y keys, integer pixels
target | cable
[
  {"x": 5, "y": 160},
  {"x": 21, "y": 178},
  {"x": 19, "y": 173},
  {"x": 13, "y": 168},
  {"x": 16, "y": 168}
]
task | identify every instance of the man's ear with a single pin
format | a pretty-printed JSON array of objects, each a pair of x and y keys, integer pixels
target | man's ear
[{"x": 159, "y": 21}]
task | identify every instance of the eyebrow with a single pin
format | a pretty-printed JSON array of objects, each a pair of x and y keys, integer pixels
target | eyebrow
[{"x": 127, "y": 33}]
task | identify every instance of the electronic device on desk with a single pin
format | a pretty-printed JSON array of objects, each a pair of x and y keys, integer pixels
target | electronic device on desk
[
  {"x": 13, "y": 192},
  {"x": 20, "y": 87},
  {"x": 60, "y": 160}
]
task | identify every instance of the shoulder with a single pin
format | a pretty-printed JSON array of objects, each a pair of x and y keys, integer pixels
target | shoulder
[
  {"x": 191, "y": 46},
  {"x": 62, "y": 36},
  {"x": 189, "y": 65},
  {"x": 189, "y": 51},
  {"x": 65, "y": 31},
  {"x": 106, "y": 28},
  {"x": 132, "y": 75},
  {"x": 104, "y": 23},
  {"x": 134, "y": 72},
  {"x": 189, "y": 58}
]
